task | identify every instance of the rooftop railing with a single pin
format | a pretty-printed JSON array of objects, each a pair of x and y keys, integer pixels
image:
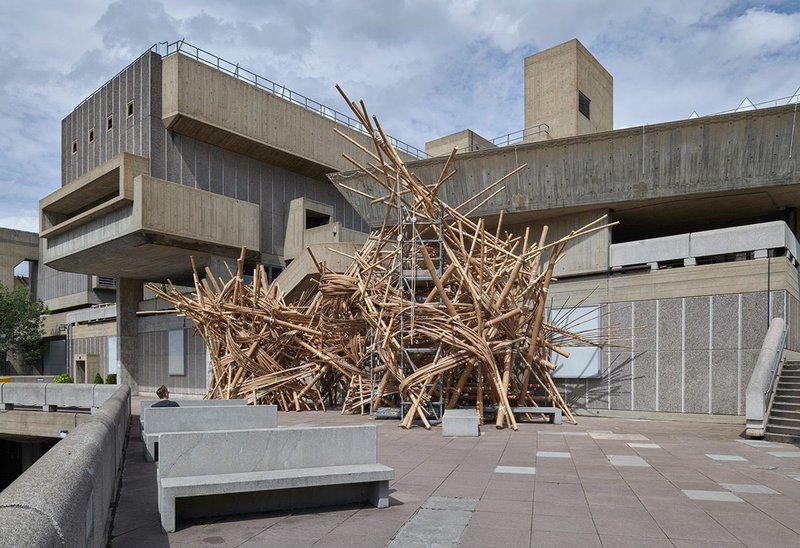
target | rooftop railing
[{"x": 278, "y": 90}]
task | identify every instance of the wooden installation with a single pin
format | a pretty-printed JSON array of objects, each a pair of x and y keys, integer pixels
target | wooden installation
[{"x": 436, "y": 311}]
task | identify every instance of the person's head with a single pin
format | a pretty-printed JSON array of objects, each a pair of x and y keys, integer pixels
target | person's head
[{"x": 162, "y": 392}]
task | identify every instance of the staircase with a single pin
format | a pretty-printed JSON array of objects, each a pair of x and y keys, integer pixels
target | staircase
[{"x": 783, "y": 424}]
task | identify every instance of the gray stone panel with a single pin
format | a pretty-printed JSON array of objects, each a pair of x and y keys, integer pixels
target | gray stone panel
[
  {"x": 754, "y": 319},
  {"x": 697, "y": 328},
  {"x": 644, "y": 346},
  {"x": 597, "y": 393},
  {"x": 670, "y": 324},
  {"x": 202, "y": 168},
  {"x": 696, "y": 389},
  {"x": 173, "y": 152},
  {"x": 724, "y": 382},
  {"x": 669, "y": 381},
  {"x": 620, "y": 380},
  {"x": 229, "y": 174},
  {"x": 574, "y": 392},
  {"x": 779, "y": 309},
  {"x": 725, "y": 322},
  {"x": 216, "y": 169}
]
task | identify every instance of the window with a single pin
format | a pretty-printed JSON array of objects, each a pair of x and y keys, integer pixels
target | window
[
  {"x": 130, "y": 108},
  {"x": 175, "y": 352},
  {"x": 91, "y": 135},
  {"x": 583, "y": 105},
  {"x": 74, "y": 147},
  {"x": 110, "y": 123}
]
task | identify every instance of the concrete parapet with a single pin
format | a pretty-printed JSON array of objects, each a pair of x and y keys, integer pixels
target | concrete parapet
[
  {"x": 51, "y": 396},
  {"x": 649, "y": 251},
  {"x": 756, "y": 397},
  {"x": 69, "y": 395},
  {"x": 775, "y": 234},
  {"x": 63, "y": 499}
]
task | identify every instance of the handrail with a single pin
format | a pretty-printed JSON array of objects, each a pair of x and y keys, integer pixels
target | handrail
[
  {"x": 762, "y": 380},
  {"x": 521, "y": 134},
  {"x": 278, "y": 90}
]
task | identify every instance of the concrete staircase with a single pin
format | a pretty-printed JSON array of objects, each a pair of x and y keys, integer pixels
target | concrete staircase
[{"x": 783, "y": 424}]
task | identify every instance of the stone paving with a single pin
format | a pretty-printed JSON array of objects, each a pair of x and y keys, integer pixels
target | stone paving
[{"x": 605, "y": 482}]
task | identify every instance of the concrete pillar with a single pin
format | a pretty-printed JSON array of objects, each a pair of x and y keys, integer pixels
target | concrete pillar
[{"x": 129, "y": 294}]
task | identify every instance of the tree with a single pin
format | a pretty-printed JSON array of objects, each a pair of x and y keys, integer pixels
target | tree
[{"x": 21, "y": 324}]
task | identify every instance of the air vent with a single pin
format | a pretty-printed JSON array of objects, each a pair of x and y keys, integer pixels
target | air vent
[{"x": 105, "y": 282}]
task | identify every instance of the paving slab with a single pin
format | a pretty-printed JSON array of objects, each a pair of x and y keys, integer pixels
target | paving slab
[
  {"x": 748, "y": 488},
  {"x": 717, "y": 496}
]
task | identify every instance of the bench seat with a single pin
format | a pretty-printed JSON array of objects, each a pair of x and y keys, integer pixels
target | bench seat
[
  {"x": 374, "y": 477},
  {"x": 554, "y": 412}
]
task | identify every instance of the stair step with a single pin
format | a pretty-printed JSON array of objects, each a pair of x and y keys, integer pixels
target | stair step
[
  {"x": 790, "y": 412},
  {"x": 784, "y": 421},
  {"x": 788, "y": 430},
  {"x": 781, "y": 438}
]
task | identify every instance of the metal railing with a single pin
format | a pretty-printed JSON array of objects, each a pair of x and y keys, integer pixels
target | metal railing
[
  {"x": 278, "y": 90},
  {"x": 521, "y": 135},
  {"x": 780, "y": 101}
]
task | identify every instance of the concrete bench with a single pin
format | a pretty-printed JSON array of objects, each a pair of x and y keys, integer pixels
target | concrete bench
[
  {"x": 243, "y": 471},
  {"x": 196, "y": 419},
  {"x": 554, "y": 412},
  {"x": 460, "y": 422},
  {"x": 186, "y": 403}
]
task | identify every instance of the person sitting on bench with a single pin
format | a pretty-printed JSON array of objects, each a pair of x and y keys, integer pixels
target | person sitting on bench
[{"x": 163, "y": 397}]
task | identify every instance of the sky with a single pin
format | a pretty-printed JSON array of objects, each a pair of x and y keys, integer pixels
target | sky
[{"x": 426, "y": 68}]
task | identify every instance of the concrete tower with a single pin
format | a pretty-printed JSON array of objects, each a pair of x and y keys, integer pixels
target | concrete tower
[{"x": 569, "y": 90}]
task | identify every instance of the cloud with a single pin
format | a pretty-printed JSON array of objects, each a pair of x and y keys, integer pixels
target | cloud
[{"x": 425, "y": 67}]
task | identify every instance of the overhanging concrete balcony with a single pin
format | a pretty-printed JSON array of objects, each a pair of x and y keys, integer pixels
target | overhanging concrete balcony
[{"x": 118, "y": 221}]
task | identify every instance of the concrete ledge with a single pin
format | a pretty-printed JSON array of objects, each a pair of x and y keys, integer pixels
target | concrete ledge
[
  {"x": 64, "y": 498},
  {"x": 460, "y": 423},
  {"x": 160, "y": 420},
  {"x": 659, "y": 416},
  {"x": 756, "y": 406},
  {"x": 50, "y": 396}
]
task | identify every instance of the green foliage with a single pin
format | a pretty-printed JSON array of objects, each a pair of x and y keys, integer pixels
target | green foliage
[
  {"x": 98, "y": 379},
  {"x": 21, "y": 324},
  {"x": 63, "y": 378},
  {"x": 111, "y": 378}
]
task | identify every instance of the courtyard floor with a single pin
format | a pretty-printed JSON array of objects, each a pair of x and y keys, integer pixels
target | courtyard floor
[{"x": 605, "y": 482}]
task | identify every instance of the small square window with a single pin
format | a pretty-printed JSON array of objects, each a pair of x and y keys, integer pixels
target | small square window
[
  {"x": 74, "y": 147},
  {"x": 130, "y": 108},
  {"x": 91, "y": 135},
  {"x": 110, "y": 123},
  {"x": 583, "y": 105}
]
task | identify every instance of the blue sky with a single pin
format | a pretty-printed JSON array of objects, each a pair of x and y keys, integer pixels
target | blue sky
[{"x": 427, "y": 68}]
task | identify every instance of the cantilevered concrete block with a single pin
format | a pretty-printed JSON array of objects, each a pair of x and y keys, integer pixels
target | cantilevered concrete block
[{"x": 460, "y": 422}]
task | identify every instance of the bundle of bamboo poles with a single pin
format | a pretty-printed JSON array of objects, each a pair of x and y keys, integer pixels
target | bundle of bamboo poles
[{"x": 435, "y": 311}]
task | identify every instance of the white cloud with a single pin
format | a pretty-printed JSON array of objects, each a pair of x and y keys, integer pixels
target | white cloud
[{"x": 426, "y": 68}]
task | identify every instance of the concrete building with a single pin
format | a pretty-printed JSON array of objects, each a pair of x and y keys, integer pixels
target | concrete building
[
  {"x": 178, "y": 156},
  {"x": 182, "y": 155}
]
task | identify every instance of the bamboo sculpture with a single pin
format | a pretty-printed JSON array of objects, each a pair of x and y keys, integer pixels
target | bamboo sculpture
[{"x": 434, "y": 312}]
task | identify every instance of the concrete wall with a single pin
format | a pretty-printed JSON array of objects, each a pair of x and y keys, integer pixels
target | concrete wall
[
  {"x": 217, "y": 108},
  {"x": 64, "y": 499},
  {"x": 585, "y": 255},
  {"x": 686, "y": 339},
  {"x": 139, "y": 83},
  {"x": 684, "y": 355},
  {"x": 152, "y": 356},
  {"x": 16, "y": 246},
  {"x": 670, "y": 167}
]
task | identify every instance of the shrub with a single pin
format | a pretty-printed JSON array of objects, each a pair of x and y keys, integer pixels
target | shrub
[
  {"x": 98, "y": 379},
  {"x": 111, "y": 378},
  {"x": 63, "y": 378}
]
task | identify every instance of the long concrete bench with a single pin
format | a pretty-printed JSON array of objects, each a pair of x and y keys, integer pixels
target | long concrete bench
[
  {"x": 160, "y": 420},
  {"x": 144, "y": 404},
  {"x": 267, "y": 470}
]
